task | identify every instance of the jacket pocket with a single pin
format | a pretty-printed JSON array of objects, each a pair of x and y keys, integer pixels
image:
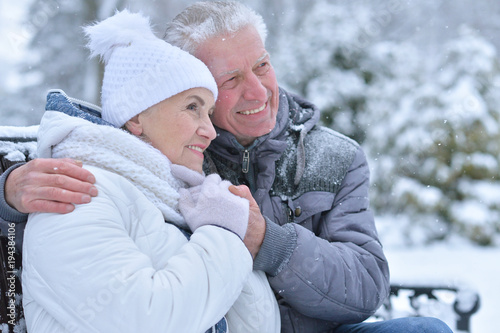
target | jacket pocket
[{"x": 302, "y": 209}]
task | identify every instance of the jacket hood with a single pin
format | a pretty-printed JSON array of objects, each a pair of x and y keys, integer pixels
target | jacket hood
[
  {"x": 303, "y": 117},
  {"x": 57, "y": 100},
  {"x": 56, "y": 127}
]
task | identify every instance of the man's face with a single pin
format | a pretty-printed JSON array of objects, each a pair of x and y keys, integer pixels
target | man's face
[{"x": 248, "y": 91}]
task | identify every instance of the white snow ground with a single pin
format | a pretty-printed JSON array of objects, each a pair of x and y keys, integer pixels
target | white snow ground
[{"x": 456, "y": 264}]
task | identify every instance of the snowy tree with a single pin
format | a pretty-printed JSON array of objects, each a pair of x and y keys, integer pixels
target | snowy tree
[
  {"x": 56, "y": 54},
  {"x": 327, "y": 70},
  {"x": 435, "y": 148},
  {"x": 424, "y": 117}
]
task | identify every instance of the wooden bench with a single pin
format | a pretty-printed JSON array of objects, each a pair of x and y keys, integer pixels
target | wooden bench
[{"x": 18, "y": 144}]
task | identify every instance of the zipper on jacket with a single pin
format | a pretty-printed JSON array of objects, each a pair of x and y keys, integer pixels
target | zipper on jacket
[{"x": 246, "y": 161}]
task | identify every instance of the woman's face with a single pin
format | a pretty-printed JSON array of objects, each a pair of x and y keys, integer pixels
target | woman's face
[{"x": 179, "y": 126}]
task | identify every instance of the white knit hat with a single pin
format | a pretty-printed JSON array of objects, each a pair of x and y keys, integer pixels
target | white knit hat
[{"x": 141, "y": 70}]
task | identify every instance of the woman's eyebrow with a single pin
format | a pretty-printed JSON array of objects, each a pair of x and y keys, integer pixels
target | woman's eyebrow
[{"x": 198, "y": 98}]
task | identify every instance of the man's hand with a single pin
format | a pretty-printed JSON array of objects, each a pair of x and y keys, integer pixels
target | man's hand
[
  {"x": 256, "y": 223},
  {"x": 49, "y": 185}
]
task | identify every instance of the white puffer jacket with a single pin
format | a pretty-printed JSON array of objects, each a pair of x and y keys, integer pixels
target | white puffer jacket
[{"x": 114, "y": 265}]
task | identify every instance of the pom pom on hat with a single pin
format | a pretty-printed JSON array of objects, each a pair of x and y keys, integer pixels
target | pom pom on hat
[{"x": 141, "y": 70}]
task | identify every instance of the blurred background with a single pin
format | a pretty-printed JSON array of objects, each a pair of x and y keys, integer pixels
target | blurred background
[{"x": 416, "y": 82}]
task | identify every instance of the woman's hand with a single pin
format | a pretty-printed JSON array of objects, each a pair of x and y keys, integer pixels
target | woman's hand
[{"x": 211, "y": 203}]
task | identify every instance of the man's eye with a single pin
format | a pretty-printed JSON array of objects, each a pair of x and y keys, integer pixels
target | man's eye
[
  {"x": 262, "y": 68},
  {"x": 192, "y": 106},
  {"x": 229, "y": 83}
]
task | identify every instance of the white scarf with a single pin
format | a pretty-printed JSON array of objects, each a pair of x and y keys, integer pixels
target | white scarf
[{"x": 122, "y": 153}]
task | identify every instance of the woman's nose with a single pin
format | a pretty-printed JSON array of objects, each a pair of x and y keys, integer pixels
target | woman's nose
[{"x": 207, "y": 129}]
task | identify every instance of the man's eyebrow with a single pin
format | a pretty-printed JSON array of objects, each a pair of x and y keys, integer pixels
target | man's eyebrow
[
  {"x": 228, "y": 72},
  {"x": 262, "y": 57},
  {"x": 266, "y": 54}
]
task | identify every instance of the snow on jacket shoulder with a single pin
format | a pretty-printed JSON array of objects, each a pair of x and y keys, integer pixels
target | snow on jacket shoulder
[{"x": 114, "y": 265}]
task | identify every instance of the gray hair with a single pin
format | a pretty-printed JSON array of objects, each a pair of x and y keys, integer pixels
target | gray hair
[{"x": 204, "y": 20}]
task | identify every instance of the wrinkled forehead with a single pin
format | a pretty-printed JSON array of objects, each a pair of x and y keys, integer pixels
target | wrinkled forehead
[{"x": 228, "y": 53}]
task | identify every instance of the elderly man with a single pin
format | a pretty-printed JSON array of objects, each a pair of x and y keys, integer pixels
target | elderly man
[{"x": 317, "y": 237}]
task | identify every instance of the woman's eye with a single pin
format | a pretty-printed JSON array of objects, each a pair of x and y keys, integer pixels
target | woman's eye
[{"x": 192, "y": 106}]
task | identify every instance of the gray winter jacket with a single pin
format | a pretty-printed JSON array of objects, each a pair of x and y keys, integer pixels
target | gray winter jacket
[{"x": 321, "y": 250}]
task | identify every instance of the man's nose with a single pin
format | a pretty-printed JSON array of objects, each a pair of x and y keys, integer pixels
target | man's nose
[{"x": 254, "y": 89}]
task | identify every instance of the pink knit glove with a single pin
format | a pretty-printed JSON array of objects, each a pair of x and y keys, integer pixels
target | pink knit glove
[{"x": 211, "y": 203}]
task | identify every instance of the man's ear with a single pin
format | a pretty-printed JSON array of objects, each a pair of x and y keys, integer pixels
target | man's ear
[{"x": 134, "y": 126}]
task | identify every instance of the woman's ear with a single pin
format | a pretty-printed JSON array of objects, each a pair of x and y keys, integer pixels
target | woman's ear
[{"x": 134, "y": 126}]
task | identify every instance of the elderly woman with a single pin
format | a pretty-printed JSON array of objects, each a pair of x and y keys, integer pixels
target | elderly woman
[{"x": 160, "y": 248}]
